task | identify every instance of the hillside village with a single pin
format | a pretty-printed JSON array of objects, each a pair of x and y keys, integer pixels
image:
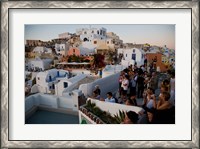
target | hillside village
[{"x": 61, "y": 69}]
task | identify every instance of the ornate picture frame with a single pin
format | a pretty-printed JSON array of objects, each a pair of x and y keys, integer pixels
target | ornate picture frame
[{"x": 6, "y": 6}]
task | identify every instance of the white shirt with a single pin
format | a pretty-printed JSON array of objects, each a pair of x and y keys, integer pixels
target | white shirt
[{"x": 125, "y": 84}]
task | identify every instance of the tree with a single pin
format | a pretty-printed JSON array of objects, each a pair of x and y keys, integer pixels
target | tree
[{"x": 98, "y": 61}]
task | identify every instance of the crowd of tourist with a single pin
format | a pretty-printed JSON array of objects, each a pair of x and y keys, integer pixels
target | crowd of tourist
[{"x": 137, "y": 84}]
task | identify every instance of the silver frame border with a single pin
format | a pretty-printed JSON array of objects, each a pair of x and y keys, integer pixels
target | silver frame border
[{"x": 6, "y": 143}]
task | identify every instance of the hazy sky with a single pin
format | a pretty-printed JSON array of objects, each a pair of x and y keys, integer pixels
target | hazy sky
[{"x": 159, "y": 35}]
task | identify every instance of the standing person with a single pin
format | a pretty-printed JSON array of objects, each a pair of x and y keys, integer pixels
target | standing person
[
  {"x": 140, "y": 85},
  {"x": 172, "y": 88},
  {"x": 149, "y": 100},
  {"x": 125, "y": 84},
  {"x": 146, "y": 81},
  {"x": 100, "y": 73},
  {"x": 153, "y": 83},
  {"x": 133, "y": 83},
  {"x": 145, "y": 61},
  {"x": 120, "y": 82}
]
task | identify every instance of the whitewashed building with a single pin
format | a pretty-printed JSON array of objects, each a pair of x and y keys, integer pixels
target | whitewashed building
[
  {"x": 41, "y": 50},
  {"x": 92, "y": 37},
  {"x": 39, "y": 64},
  {"x": 61, "y": 49},
  {"x": 68, "y": 85},
  {"x": 45, "y": 81},
  {"x": 132, "y": 56},
  {"x": 88, "y": 34}
]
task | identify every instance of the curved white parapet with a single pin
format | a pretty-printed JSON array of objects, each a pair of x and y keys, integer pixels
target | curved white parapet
[{"x": 112, "y": 108}]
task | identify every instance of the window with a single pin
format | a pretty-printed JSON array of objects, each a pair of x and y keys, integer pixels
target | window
[
  {"x": 85, "y": 32},
  {"x": 95, "y": 42},
  {"x": 133, "y": 50},
  {"x": 92, "y": 31},
  {"x": 142, "y": 56},
  {"x": 38, "y": 78},
  {"x": 100, "y": 32},
  {"x": 65, "y": 84},
  {"x": 49, "y": 87},
  {"x": 97, "y": 32},
  {"x": 74, "y": 50},
  {"x": 126, "y": 55},
  {"x": 107, "y": 42}
]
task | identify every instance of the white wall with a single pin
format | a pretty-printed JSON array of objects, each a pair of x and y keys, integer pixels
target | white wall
[
  {"x": 59, "y": 87},
  {"x": 119, "y": 51},
  {"x": 127, "y": 56},
  {"x": 46, "y": 65},
  {"x": 127, "y": 63},
  {"x": 64, "y": 102},
  {"x": 36, "y": 63},
  {"x": 61, "y": 49},
  {"x": 113, "y": 108},
  {"x": 107, "y": 84},
  {"x": 52, "y": 101},
  {"x": 48, "y": 100},
  {"x": 80, "y": 71}
]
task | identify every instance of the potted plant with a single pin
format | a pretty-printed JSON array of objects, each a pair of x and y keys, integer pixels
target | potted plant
[{"x": 120, "y": 117}]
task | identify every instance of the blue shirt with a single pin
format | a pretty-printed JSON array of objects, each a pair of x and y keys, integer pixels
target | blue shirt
[{"x": 110, "y": 100}]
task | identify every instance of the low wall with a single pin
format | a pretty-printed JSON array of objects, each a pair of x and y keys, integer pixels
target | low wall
[
  {"x": 80, "y": 71},
  {"x": 113, "y": 108},
  {"x": 52, "y": 101},
  {"x": 107, "y": 84}
]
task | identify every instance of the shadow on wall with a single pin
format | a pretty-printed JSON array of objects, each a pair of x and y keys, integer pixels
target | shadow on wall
[{"x": 107, "y": 84}]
